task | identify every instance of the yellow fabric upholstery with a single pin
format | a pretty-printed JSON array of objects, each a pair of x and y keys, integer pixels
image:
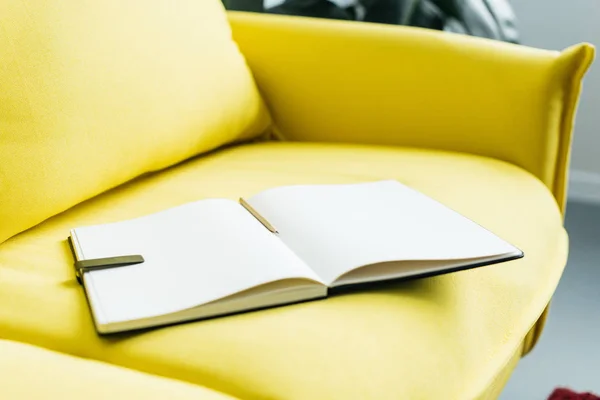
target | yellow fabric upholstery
[
  {"x": 31, "y": 373},
  {"x": 460, "y": 331},
  {"x": 94, "y": 93},
  {"x": 365, "y": 83}
]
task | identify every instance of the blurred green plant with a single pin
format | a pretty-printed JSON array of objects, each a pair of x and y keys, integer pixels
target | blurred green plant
[
  {"x": 492, "y": 19},
  {"x": 244, "y": 5}
]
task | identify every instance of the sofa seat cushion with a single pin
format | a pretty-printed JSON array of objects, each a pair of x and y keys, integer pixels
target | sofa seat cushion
[
  {"x": 29, "y": 372},
  {"x": 444, "y": 337}
]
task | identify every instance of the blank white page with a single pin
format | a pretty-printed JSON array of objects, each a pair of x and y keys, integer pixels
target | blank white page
[
  {"x": 336, "y": 228},
  {"x": 194, "y": 254}
]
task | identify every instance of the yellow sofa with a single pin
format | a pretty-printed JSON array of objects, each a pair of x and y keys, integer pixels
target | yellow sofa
[{"x": 111, "y": 110}]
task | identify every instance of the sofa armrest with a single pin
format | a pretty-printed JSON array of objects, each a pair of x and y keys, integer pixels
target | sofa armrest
[{"x": 353, "y": 82}]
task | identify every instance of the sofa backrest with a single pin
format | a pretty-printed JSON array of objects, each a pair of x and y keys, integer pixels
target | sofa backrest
[{"x": 94, "y": 93}]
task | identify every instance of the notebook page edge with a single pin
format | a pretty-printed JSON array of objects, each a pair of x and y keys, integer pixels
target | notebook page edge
[{"x": 455, "y": 266}]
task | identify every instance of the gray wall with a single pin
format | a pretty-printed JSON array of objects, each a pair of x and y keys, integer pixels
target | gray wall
[{"x": 556, "y": 24}]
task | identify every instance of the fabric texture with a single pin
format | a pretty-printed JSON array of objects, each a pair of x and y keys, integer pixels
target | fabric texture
[
  {"x": 342, "y": 81},
  {"x": 95, "y": 93},
  {"x": 31, "y": 373},
  {"x": 568, "y": 394},
  {"x": 460, "y": 330}
]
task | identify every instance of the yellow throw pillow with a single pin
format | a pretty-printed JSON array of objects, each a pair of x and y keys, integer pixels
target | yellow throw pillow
[{"x": 94, "y": 93}]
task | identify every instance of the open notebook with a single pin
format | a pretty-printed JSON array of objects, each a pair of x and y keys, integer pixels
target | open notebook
[{"x": 215, "y": 257}]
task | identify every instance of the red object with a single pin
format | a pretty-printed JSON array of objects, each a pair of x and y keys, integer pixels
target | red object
[{"x": 567, "y": 394}]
